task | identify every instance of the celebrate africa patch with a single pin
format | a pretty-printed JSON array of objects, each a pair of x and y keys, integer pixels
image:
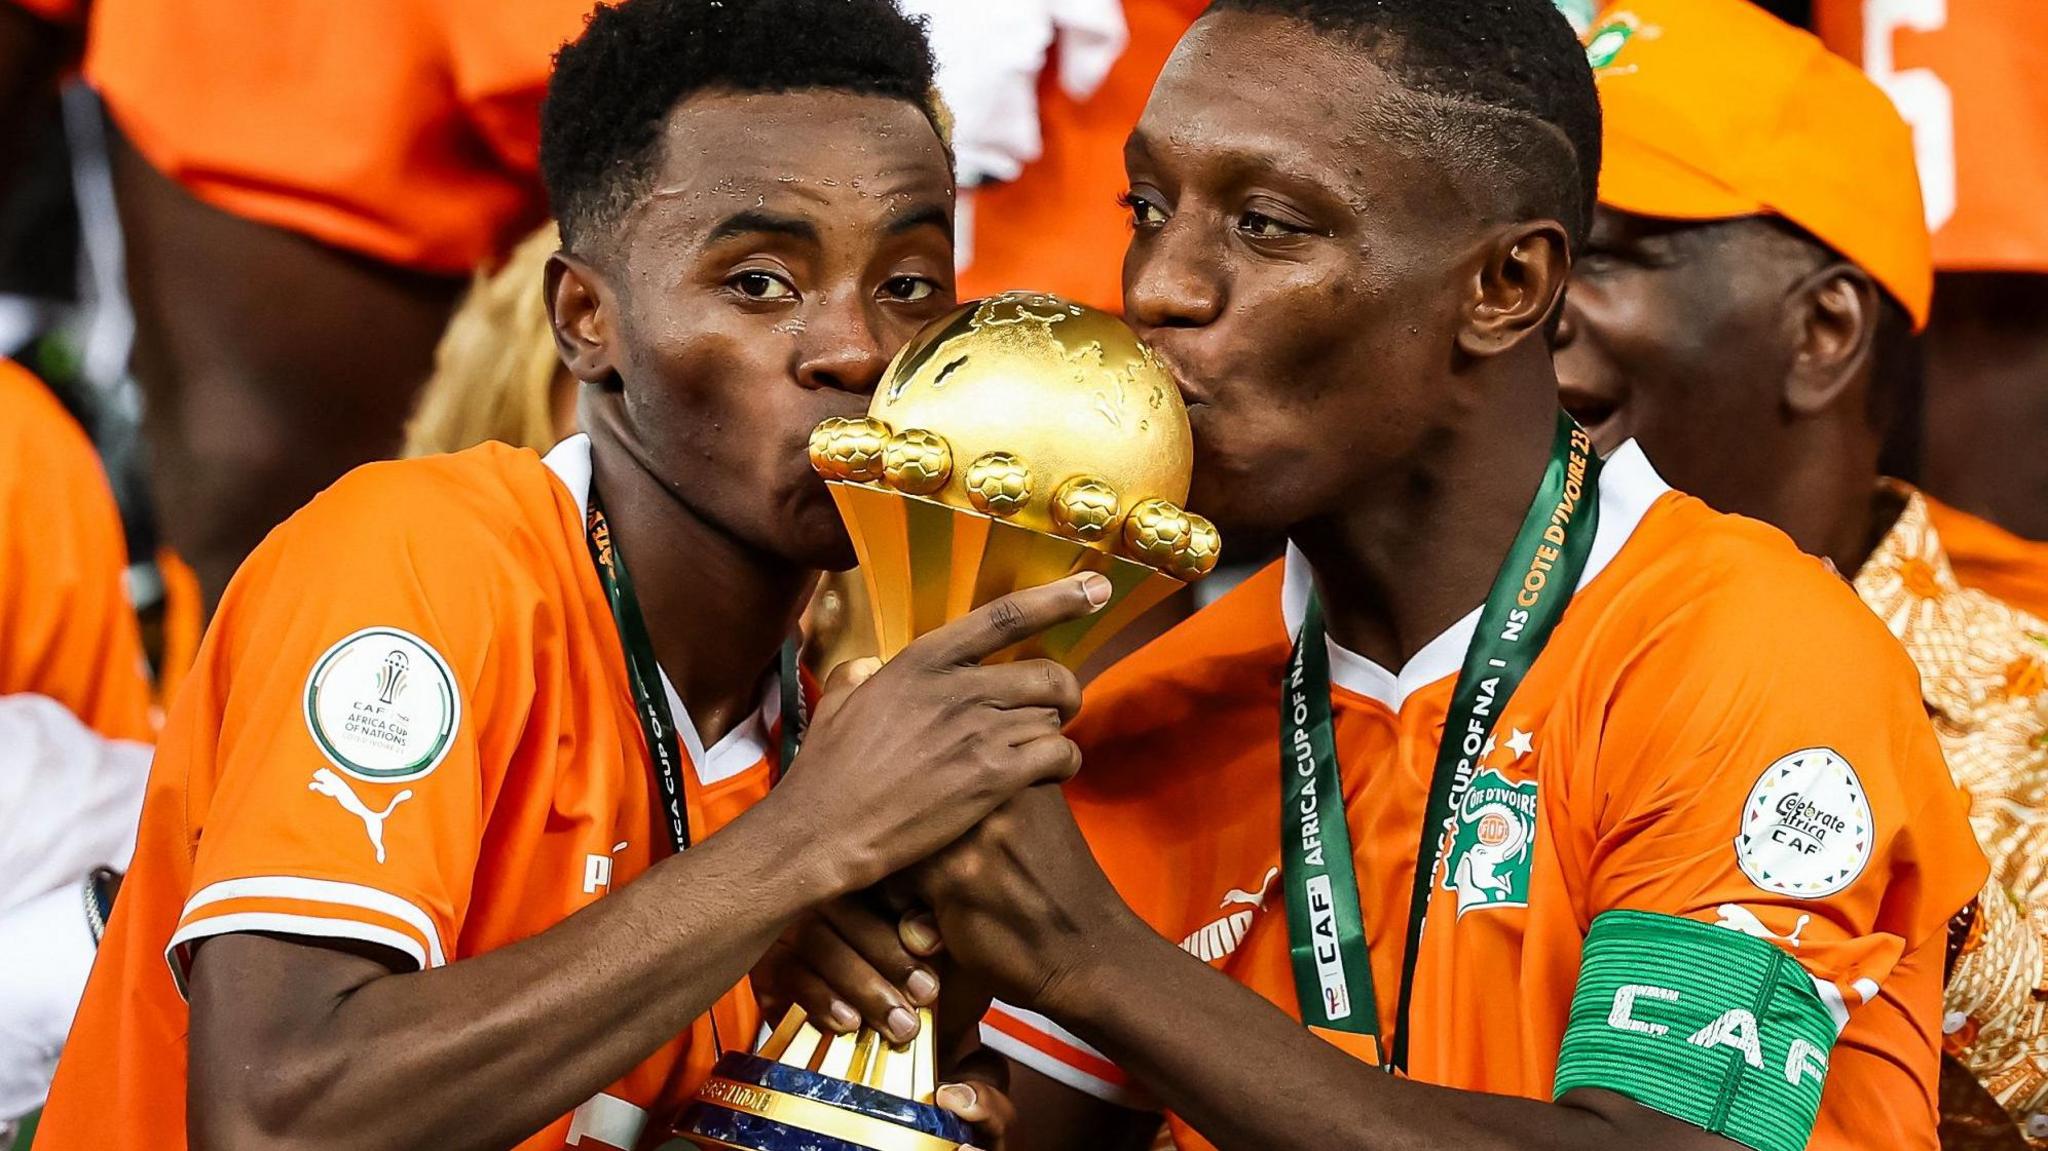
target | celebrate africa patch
[
  {"x": 382, "y": 706},
  {"x": 1806, "y": 826}
]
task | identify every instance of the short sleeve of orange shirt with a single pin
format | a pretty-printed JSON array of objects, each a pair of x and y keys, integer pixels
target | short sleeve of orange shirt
[
  {"x": 408, "y": 726},
  {"x": 67, "y": 630},
  {"x": 403, "y": 675},
  {"x": 1763, "y": 766}
]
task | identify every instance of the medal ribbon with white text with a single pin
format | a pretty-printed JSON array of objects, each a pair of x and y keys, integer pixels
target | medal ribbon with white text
[{"x": 1325, "y": 924}]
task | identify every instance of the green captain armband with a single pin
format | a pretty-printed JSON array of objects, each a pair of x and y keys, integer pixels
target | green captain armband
[{"x": 1708, "y": 1025}]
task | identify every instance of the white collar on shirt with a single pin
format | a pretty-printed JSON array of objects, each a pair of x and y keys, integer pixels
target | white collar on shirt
[
  {"x": 1628, "y": 486},
  {"x": 743, "y": 746}
]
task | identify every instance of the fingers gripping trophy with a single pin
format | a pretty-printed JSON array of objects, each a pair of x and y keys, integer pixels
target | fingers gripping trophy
[{"x": 1017, "y": 440}]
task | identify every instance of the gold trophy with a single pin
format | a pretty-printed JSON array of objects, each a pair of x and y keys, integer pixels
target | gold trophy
[{"x": 1017, "y": 440}]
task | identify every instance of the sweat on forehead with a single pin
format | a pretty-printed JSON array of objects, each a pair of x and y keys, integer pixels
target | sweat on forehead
[{"x": 1499, "y": 90}]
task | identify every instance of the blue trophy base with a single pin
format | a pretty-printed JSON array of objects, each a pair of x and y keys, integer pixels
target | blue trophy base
[{"x": 756, "y": 1104}]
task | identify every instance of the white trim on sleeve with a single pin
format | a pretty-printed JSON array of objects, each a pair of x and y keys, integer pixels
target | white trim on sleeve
[
  {"x": 1038, "y": 1058},
  {"x": 177, "y": 953},
  {"x": 326, "y": 891},
  {"x": 283, "y": 923}
]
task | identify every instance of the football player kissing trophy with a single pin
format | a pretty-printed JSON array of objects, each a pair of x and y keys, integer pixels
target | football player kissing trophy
[{"x": 1014, "y": 441}]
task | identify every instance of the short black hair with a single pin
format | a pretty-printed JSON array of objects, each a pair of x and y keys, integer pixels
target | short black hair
[
  {"x": 1503, "y": 89},
  {"x": 615, "y": 85}
]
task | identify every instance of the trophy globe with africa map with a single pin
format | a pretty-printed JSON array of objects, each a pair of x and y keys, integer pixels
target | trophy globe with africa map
[{"x": 1016, "y": 440}]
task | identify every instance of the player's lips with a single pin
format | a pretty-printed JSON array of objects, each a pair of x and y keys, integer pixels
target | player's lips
[{"x": 1190, "y": 394}]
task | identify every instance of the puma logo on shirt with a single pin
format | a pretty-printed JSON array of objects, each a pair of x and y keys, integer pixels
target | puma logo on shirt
[
  {"x": 327, "y": 783},
  {"x": 1219, "y": 938}
]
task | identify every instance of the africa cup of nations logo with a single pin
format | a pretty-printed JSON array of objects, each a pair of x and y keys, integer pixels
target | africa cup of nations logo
[
  {"x": 1488, "y": 865},
  {"x": 382, "y": 706}
]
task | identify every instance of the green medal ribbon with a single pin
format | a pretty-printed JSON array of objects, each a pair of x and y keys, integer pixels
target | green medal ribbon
[
  {"x": 1325, "y": 924},
  {"x": 657, "y": 724}
]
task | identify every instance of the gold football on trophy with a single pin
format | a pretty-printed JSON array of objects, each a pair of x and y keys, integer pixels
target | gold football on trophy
[
  {"x": 917, "y": 462},
  {"x": 1085, "y": 508},
  {"x": 854, "y": 449}
]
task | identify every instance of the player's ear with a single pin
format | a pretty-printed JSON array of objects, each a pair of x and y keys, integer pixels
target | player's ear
[
  {"x": 583, "y": 313},
  {"x": 1515, "y": 285},
  {"x": 1833, "y": 312}
]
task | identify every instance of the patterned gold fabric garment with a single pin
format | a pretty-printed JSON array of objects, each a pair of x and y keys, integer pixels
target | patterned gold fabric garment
[{"x": 1984, "y": 674}]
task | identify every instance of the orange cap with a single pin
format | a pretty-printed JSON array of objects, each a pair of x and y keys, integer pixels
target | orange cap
[{"x": 1716, "y": 109}]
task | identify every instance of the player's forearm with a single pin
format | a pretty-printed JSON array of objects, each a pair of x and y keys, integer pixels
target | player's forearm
[
  {"x": 1247, "y": 1076},
  {"x": 486, "y": 1051},
  {"x": 1052, "y": 1116}
]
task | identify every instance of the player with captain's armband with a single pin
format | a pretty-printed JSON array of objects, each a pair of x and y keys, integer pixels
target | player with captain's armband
[{"x": 1595, "y": 817}]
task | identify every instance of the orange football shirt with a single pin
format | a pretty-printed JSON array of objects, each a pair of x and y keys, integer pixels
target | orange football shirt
[
  {"x": 67, "y": 630},
  {"x": 1701, "y": 656},
  {"x": 1992, "y": 560},
  {"x": 410, "y": 725},
  {"x": 404, "y": 130}
]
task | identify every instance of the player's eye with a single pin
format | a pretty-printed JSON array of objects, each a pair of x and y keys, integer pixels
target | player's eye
[
  {"x": 755, "y": 284},
  {"x": 1260, "y": 226},
  {"x": 910, "y": 289},
  {"x": 1144, "y": 213}
]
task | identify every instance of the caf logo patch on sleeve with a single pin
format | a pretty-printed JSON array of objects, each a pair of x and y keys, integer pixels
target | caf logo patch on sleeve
[
  {"x": 382, "y": 705},
  {"x": 1806, "y": 826}
]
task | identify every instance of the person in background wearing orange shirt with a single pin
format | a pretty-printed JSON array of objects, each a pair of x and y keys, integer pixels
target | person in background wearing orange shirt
[
  {"x": 1744, "y": 310},
  {"x": 460, "y": 836},
  {"x": 1666, "y": 791},
  {"x": 74, "y": 726},
  {"x": 66, "y": 630},
  {"x": 1967, "y": 77},
  {"x": 292, "y": 175}
]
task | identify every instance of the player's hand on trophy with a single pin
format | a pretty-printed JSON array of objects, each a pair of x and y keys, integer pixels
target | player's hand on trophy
[
  {"x": 856, "y": 960},
  {"x": 1021, "y": 890},
  {"x": 977, "y": 1090},
  {"x": 899, "y": 765},
  {"x": 1020, "y": 901}
]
